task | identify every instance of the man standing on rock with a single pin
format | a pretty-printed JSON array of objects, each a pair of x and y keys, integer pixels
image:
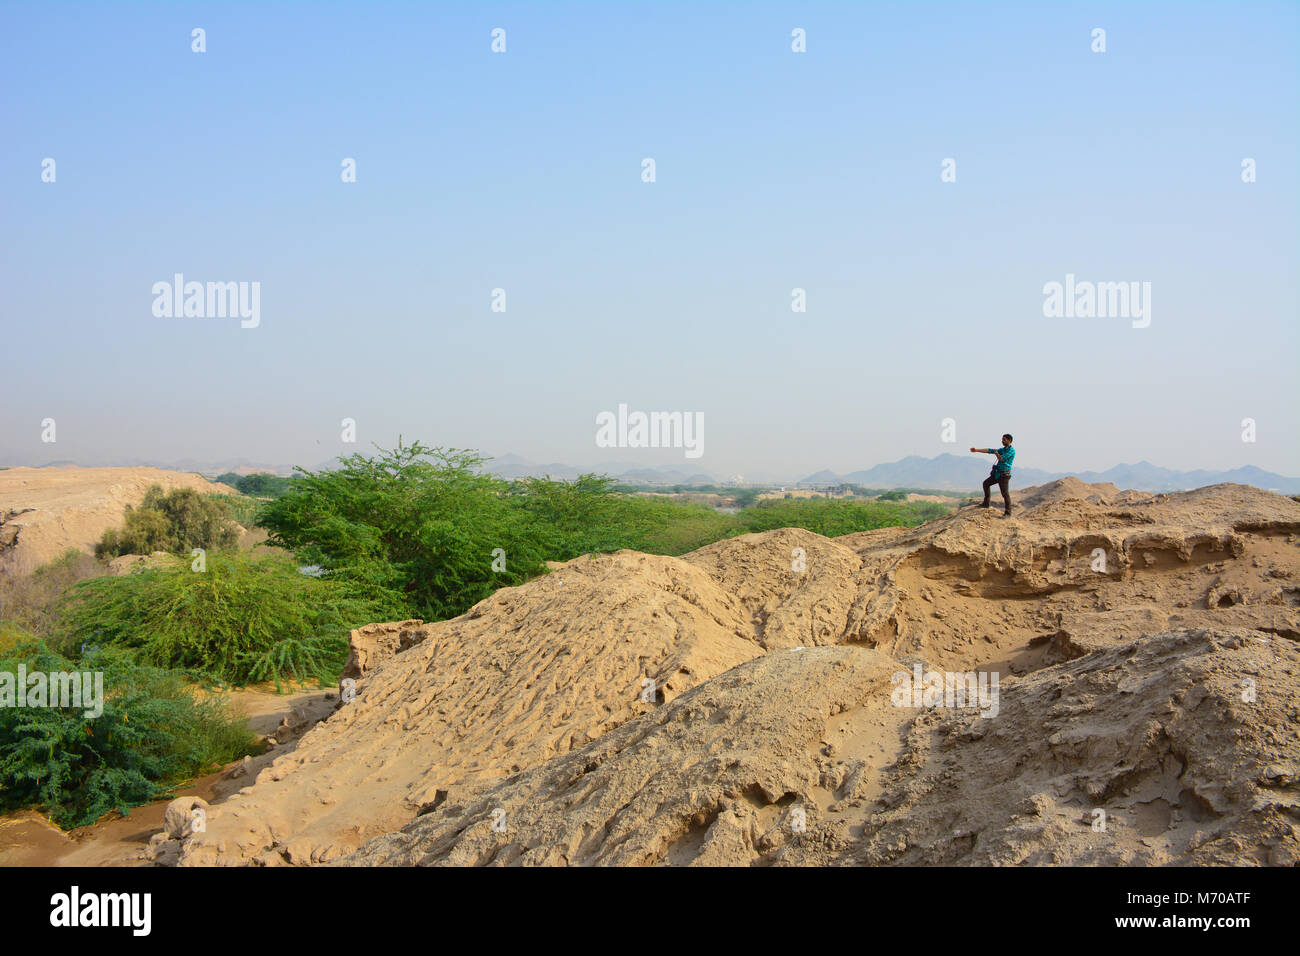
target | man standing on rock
[{"x": 1000, "y": 474}]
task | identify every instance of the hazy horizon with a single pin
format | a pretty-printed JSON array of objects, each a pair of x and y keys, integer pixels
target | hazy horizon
[
  {"x": 613, "y": 467},
  {"x": 775, "y": 170}
]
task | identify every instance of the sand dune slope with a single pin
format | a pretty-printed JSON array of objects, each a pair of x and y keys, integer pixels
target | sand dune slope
[
  {"x": 1143, "y": 754},
  {"x": 527, "y": 674}
]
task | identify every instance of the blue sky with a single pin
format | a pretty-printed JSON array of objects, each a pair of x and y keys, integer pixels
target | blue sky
[{"x": 774, "y": 170}]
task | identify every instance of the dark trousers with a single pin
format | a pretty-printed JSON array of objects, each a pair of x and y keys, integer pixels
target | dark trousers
[{"x": 1004, "y": 485}]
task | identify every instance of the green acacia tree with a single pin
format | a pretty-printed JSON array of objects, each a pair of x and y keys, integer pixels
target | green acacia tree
[{"x": 423, "y": 521}]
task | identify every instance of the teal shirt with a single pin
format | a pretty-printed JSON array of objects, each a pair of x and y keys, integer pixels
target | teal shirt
[{"x": 1005, "y": 457}]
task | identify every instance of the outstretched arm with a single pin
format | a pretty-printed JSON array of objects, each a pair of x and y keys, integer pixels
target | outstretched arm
[{"x": 985, "y": 451}]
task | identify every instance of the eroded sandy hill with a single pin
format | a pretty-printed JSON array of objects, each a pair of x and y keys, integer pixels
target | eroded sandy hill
[
  {"x": 46, "y": 511},
  {"x": 1154, "y": 735},
  {"x": 1122, "y": 626},
  {"x": 528, "y": 673}
]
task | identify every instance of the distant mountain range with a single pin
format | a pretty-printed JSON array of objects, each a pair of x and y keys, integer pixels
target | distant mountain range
[
  {"x": 945, "y": 472},
  {"x": 958, "y": 472},
  {"x": 240, "y": 466},
  {"x": 512, "y": 466}
]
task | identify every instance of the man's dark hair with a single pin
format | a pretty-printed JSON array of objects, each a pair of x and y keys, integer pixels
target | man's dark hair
[{"x": 1008, "y": 437}]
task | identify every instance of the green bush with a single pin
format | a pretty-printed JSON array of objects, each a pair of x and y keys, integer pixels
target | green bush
[
  {"x": 421, "y": 521},
  {"x": 239, "y": 508},
  {"x": 156, "y": 731},
  {"x": 587, "y": 515},
  {"x": 260, "y": 484},
  {"x": 241, "y": 620},
  {"x": 831, "y": 517},
  {"x": 175, "y": 521}
]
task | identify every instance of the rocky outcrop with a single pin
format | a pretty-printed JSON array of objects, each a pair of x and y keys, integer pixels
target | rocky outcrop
[{"x": 370, "y": 646}]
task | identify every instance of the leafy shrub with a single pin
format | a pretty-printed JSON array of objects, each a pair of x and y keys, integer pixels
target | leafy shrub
[
  {"x": 238, "y": 508},
  {"x": 155, "y": 732},
  {"x": 242, "y": 620},
  {"x": 260, "y": 484},
  {"x": 831, "y": 517},
  {"x": 421, "y": 521},
  {"x": 586, "y": 515},
  {"x": 174, "y": 521}
]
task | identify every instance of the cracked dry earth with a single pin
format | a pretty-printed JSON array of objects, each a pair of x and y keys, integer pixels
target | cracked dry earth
[{"x": 1146, "y": 648}]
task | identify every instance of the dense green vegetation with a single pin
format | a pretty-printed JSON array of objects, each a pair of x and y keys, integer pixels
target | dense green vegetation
[
  {"x": 155, "y": 732},
  {"x": 587, "y": 516},
  {"x": 175, "y": 521},
  {"x": 242, "y": 620},
  {"x": 240, "y": 508},
  {"x": 732, "y": 491},
  {"x": 428, "y": 524},
  {"x": 419, "y": 521},
  {"x": 833, "y": 516},
  {"x": 260, "y": 484}
]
